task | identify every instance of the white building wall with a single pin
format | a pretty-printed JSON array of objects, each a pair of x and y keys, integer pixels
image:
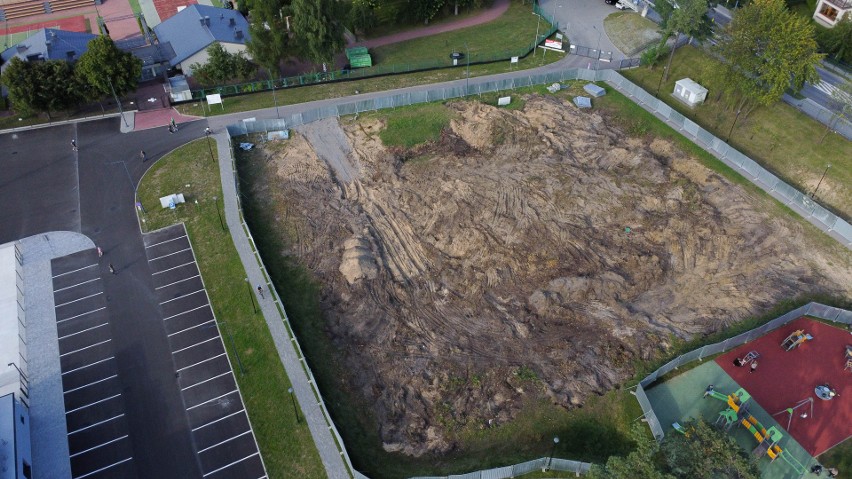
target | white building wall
[{"x": 12, "y": 323}]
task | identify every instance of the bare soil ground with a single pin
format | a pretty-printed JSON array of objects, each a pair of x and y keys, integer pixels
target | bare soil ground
[{"x": 464, "y": 276}]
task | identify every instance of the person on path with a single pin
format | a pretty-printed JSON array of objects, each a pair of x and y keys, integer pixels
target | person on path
[
  {"x": 142, "y": 155},
  {"x": 73, "y": 144},
  {"x": 100, "y": 252},
  {"x": 111, "y": 268},
  {"x": 260, "y": 291},
  {"x": 753, "y": 366},
  {"x": 171, "y": 130},
  {"x": 173, "y": 124}
]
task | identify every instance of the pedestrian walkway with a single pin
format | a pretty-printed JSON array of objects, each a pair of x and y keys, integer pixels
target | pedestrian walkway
[
  {"x": 160, "y": 118},
  {"x": 498, "y": 8}
]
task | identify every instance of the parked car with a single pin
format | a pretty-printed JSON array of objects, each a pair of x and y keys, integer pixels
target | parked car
[
  {"x": 619, "y": 5},
  {"x": 610, "y": 2}
]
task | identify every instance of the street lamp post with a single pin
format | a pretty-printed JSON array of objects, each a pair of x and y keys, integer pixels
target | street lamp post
[
  {"x": 598, "y": 60},
  {"x": 207, "y": 133},
  {"x": 295, "y": 409},
  {"x": 234, "y": 345},
  {"x": 733, "y": 125},
  {"x": 251, "y": 296},
  {"x": 552, "y": 451},
  {"x": 219, "y": 213},
  {"x": 467, "y": 80},
  {"x": 117, "y": 102},
  {"x": 820, "y": 180}
]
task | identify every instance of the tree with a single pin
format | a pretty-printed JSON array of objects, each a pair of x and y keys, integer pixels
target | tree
[
  {"x": 837, "y": 41},
  {"x": 42, "y": 86},
  {"x": 684, "y": 17},
  {"x": 108, "y": 70},
  {"x": 270, "y": 36},
  {"x": 318, "y": 36},
  {"x": 426, "y": 9},
  {"x": 702, "y": 453},
  {"x": 768, "y": 50},
  {"x": 362, "y": 15},
  {"x": 222, "y": 67}
]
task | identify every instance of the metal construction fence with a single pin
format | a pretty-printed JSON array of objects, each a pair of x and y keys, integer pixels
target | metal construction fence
[
  {"x": 540, "y": 464},
  {"x": 822, "y": 115},
  {"x": 816, "y": 310},
  {"x": 379, "y": 70}
]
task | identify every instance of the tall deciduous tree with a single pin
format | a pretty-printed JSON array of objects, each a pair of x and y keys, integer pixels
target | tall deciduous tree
[
  {"x": 42, "y": 86},
  {"x": 316, "y": 31},
  {"x": 222, "y": 67},
  {"x": 426, "y": 9},
  {"x": 768, "y": 50},
  {"x": 684, "y": 17},
  {"x": 270, "y": 32},
  {"x": 107, "y": 69}
]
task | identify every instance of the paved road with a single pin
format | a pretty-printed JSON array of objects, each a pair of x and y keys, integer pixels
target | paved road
[
  {"x": 582, "y": 21},
  {"x": 91, "y": 191}
]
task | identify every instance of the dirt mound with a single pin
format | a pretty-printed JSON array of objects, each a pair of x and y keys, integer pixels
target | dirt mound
[{"x": 526, "y": 252}]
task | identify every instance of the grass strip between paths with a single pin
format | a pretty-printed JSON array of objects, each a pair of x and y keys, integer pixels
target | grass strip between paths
[{"x": 285, "y": 443}]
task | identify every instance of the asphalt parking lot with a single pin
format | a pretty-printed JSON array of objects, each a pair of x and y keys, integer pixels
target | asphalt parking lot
[
  {"x": 223, "y": 437},
  {"x": 98, "y": 434}
]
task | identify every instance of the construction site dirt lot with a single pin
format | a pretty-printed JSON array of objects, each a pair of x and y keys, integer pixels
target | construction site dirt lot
[{"x": 536, "y": 252}]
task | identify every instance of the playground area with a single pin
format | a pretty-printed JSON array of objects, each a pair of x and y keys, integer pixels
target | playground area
[{"x": 780, "y": 411}]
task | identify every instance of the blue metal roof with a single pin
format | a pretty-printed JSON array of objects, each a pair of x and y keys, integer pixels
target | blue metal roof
[
  {"x": 188, "y": 32},
  {"x": 50, "y": 44}
]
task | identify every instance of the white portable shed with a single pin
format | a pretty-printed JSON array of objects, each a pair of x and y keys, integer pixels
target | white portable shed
[{"x": 689, "y": 92}]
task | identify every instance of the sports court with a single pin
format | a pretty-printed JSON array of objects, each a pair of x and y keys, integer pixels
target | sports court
[
  {"x": 219, "y": 424},
  {"x": 783, "y": 378}
]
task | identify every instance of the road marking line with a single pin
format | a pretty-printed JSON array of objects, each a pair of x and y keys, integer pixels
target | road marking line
[
  {"x": 209, "y": 400},
  {"x": 87, "y": 312},
  {"x": 87, "y": 385},
  {"x": 206, "y": 380},
  {"x": 179, "y": 281},
  {"x": 191, "y": 327},
  {"x": 92, "y": 404},
  {"x": 103, "y": 468},
  {"x": 201, "y": 362},
  {"x": 182, "y": 296},
  {"x": 223, "y": 442},
  {"x": 166, "y": 241},
  {"x": 173, "y": 267},
  {"x": 167, "y": 255},
  {"x": 75, "y": 285},
  {"x": 74, "y": 270},
  {"x": 87, "y": 347},
  {"x": 96, "y": 424},
  {"x": 231, "y": 464},
  {"x": 83, "y": 331},
  {"x": 79, "y": 299},
  {"x": 99, "y": 446},
  {"x": 194, "y": 345},
  {"x": 184, "y": 312},
  {"x": 217, "y": 420},
  {"x": 90, "y": 364}
]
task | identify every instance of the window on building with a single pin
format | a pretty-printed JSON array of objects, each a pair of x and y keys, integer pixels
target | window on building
[
  {"x": 828, "y": 12},
  {"x": 28, "y": 471}
]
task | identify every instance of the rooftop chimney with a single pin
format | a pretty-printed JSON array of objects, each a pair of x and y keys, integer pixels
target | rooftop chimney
[
  {"x": 232, "y": 21},
  {"x": 207, "y": 21},
  {"x": 238, "y": 33}
]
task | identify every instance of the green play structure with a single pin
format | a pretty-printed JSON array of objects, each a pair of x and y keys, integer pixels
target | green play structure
[
  {"x": 737, "y": 412},
  {"x": 359, "y": 57}
]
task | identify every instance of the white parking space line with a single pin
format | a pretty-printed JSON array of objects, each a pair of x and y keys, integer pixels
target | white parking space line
[
  {"x": 166, "y": 241},
  {"x": 99, "y": 446},
  {"x": 80, "y": 299},
  {"x": 173, "y": 267},
  {"x": 167, "y": 255},
  {"x": 191, "y": 327},
  {"x": 223, "y": 442},
  {"x": 74, "y": 270},
  {"x": 83, "y": 314},
  {"x": 176, "y": 282},
  {"x": 88, "y": 365},
  {"x": 184, "y": 312},
  {"x": 96, "y": 424},
  {"x": 201, "y": 362},
  {"x": 75, "y": 285},
  {"x": 92, "y": 404},
  {"x": 217, "y": 420},
  {"x": 103, "y": 468},
  {"x": 83, "y": 349},
  {"x": 90, "y": 384},
  {"x": 211, "y": 400},
  {"x": 206, "y": 380},
  {"x": 83, "y": 331},
  {"x": 181, "y": 297},
  {"x": 231, "y": 464},
  {"x": 196, "y": 344}
]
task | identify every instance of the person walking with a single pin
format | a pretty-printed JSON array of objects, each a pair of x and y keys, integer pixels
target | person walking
[
  {"x": 100, "y": 252},
  {"x": 111, "y": 268},
  {"x": 142, "y": 155},
  {"x": 753, "y": 366},
  {"x": 173, "y": 124},
  {"x": 260, "y": 291},
  {"x": 73, "y": 144}
]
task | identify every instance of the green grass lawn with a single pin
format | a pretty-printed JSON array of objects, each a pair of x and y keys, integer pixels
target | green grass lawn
[
  {"x": 510, "y": 34},
  {"x": 410, "y": 126},
  {"x": 286, "y": 446},
  {"x": 778, "y": 137},
  {"x": 631, "y": 32}
]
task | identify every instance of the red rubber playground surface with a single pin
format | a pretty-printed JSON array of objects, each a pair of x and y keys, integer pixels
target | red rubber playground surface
[{"x": 784, "y": 378}]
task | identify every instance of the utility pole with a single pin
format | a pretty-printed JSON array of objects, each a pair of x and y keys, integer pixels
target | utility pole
[{"x": 117, "y": 102}]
